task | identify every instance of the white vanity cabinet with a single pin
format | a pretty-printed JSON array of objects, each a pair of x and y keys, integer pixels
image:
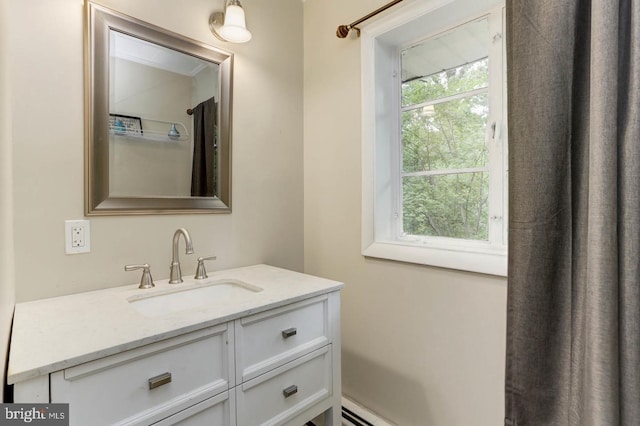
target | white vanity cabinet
[{"x": 275, "y": 363}]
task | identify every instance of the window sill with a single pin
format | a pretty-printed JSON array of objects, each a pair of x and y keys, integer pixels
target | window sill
[{"x": 484, "y": 260}]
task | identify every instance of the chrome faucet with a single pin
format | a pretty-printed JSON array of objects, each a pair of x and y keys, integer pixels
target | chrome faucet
[{"x": 175, "y": 277}]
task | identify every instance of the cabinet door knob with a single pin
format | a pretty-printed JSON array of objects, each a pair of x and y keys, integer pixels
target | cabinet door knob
[
  {"x": 289, "y": 332},
  {"x": 291, "y": 390},
  {"x": 160, "y": 380}
]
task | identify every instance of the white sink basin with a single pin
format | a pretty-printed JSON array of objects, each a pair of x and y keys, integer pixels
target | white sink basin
[{"x": 200, "y": 296}]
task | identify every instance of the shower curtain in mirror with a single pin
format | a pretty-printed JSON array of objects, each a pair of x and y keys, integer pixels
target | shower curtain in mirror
[
  {"x": 204, "y": 170},
  {"x": 573, "y": 314}
]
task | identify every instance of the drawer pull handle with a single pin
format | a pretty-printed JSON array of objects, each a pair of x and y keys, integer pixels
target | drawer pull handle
[
  {"x": 289, "y": 332},
  {"x": 160, "y": 380},
  {"x": 291, "y": 390}
]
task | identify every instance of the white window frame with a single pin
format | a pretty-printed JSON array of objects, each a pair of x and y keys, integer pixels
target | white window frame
[{"x": 381, "y": 43}]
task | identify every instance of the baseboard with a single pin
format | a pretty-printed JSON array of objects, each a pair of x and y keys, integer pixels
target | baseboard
[{"x": 356, "y": 415}]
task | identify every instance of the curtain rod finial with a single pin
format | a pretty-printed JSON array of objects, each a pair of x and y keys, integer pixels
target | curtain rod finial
[{"x": 342, "y": 31}]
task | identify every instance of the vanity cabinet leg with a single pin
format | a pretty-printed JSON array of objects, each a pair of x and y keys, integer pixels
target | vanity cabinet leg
[{"x": 333, "y": 416}]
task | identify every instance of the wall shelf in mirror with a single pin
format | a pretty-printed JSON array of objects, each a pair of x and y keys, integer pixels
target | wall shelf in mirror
[
  {"x": 148, "y": 71},
  {"x": 153, "y": 130}
]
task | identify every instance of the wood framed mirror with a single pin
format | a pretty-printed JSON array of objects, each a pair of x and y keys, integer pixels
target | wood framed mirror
[{"x": 157, "y": 120}]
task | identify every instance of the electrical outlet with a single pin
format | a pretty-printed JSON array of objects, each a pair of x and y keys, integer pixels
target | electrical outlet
[{"x": 77, "y": 236}]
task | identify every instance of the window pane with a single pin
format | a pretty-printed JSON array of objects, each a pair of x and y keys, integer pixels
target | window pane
[
  {"x": 448, "y": 64},
  {"x": 454, "y": 206},
  {"x": 446, "y": 83},
  {"x": 448, "y": 135}
]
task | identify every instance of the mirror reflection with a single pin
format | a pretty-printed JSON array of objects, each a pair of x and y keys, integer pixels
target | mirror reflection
[
  {"x": 162, "y": 121},
  {"x": 158, "y": 120}
]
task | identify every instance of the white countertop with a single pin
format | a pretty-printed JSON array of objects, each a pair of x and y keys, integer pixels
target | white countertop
[{"x": 53, "y": 334}]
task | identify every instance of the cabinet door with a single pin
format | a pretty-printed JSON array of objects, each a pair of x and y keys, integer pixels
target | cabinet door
[
  {"x": 147, "y": 384},
  {"x": 217, "y": 411}
]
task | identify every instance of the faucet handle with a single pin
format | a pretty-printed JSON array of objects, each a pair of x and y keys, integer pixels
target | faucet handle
[
  {"x": 201, "y": 273},
  {"x": 146, "y": 281}
]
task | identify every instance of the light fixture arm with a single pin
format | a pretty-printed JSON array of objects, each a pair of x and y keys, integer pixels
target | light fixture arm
[{"x": 216, "y": 20}]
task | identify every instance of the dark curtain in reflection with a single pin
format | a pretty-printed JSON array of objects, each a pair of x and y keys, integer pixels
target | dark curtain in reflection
[{"x": 204, "y": 171}]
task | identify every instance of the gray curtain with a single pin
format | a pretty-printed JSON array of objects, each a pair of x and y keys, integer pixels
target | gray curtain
[
  {"x": 573, "y": 315},
  {"x": 204, "y": 170}
]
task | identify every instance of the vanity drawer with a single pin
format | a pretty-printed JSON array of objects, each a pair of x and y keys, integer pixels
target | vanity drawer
[
  {"x": 280, "y": 395},
  {"x": 270, "y": 339},
  {"x": 217, "y": 411},
  {"x": 146, "y": 384}
]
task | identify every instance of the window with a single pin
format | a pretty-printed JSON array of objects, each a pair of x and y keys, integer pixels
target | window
[{"x": 434, "y": 137}]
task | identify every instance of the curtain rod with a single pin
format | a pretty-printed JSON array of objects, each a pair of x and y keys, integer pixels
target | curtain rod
[
  {"x": 191, "y": 110},
  {"x": 343, "y": 30}
]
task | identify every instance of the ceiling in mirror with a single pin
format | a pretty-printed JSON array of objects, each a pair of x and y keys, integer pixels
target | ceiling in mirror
[{"x": 133, "y": 49}]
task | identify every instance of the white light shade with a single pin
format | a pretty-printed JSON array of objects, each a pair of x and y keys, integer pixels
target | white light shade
[{"x": 235, "y": 27}]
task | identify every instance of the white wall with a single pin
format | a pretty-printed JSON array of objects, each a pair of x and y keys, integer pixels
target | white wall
[
  {"x": 421, "y": 346},
  {"x": 47, "y": 82},
  {"x": 7, "y": 290}
]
